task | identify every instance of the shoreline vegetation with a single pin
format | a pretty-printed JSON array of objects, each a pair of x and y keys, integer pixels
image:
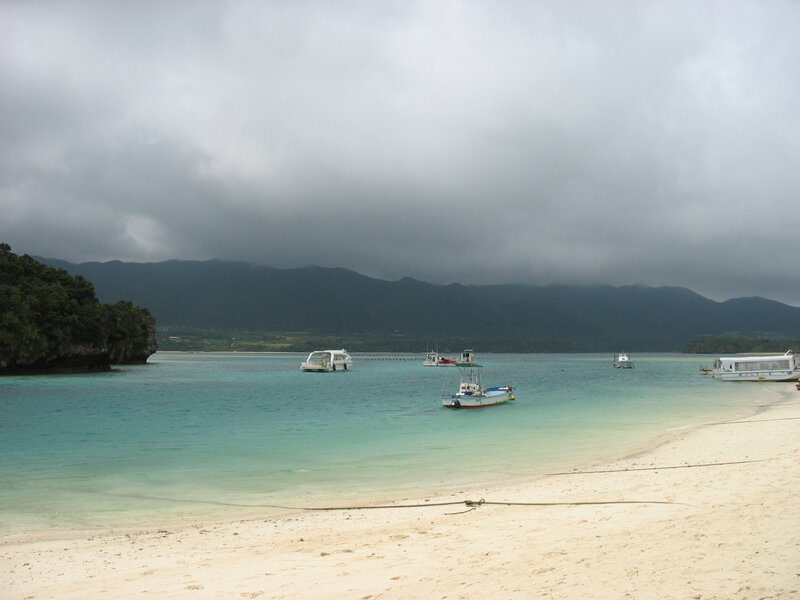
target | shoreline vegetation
[
  {"x": 51, "y": 322},
  {"x": 708, "y": 512},
  {"x": 189, "y": 339}
]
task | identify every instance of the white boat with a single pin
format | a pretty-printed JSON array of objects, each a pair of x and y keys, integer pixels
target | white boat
[
  {"x": 327, "y": 360},
  {"x": 472, "y": 394},
  {"x": 765, "y": 367},
  {"x": 432, "y": 359},
  {"x": 622, "y": 361}
]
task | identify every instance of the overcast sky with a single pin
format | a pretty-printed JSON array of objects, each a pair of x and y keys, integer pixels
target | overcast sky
[{"x": 479, "y": 142}]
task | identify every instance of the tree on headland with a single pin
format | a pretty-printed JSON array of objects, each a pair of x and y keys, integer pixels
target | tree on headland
[{"x": 52, "y": 321}]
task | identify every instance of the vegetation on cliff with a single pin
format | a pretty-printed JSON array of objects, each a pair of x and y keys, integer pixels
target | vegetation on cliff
[{"x": 51, "y": 321}]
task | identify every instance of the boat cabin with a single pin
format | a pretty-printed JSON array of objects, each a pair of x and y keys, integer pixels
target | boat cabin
[{"x": 467, "y": 356}]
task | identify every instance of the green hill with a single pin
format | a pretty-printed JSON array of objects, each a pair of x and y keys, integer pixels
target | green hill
[
  {"x": 237, "y": 296},
  {"x": 51, "y": 321}
]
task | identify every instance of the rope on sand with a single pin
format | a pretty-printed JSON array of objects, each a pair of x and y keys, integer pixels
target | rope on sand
[
  {"x": 714, "y": 464},
  {"x": 470, "y": 504},
  {"x": 473, "y": 504},
  {"x": 757, "y": 421}
]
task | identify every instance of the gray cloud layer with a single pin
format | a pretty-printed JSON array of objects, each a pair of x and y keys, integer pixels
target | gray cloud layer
[{"x": 577, "y": 141}]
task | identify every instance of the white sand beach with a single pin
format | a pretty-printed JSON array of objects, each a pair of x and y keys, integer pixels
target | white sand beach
[{"x": 713, "y": 512}]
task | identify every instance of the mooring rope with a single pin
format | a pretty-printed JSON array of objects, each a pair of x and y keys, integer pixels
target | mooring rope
[
  {"x": 757, "y": 421},
  {"x": 470, "y": 504},
  {"x": 714, "y": 464}
]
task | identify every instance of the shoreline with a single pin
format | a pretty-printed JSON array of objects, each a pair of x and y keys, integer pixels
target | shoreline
[{"x": 707, "y": 512}]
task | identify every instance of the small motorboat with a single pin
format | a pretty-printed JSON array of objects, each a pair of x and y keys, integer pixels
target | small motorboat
[
  {"x": 472, "y": 394},
  {"x": 432, "y": 359},
  {"x": 622, "y": 361}
]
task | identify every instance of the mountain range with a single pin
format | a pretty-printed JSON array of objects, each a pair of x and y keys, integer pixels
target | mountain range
[{"x": 240, "y": 296}]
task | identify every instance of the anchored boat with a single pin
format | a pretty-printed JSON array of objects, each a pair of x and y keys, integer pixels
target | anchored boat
[
  {"x": 472, "y": 394},
  {"x": 324, "y": 361},
  {"x": 434, "y": 360},
  {"x": 766, "y": 367},
  {"x": 622, "y": 361}
]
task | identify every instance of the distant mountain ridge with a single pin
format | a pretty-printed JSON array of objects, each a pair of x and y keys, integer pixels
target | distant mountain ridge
[{"x": 237, "y": 295}]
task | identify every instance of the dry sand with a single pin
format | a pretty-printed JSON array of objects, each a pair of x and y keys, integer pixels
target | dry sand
[{"x": 712, "y": 513}]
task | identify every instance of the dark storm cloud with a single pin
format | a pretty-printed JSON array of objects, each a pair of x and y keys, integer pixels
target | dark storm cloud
[{"x": 608, "y": 142}]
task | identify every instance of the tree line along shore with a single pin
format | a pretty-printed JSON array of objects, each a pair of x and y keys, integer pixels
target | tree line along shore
[{"x": 188, "y": 339}]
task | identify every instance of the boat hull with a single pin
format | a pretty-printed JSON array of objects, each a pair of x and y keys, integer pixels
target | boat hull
[
  {"x": 757, "y": 376},
  {"x": 325, "y": 369},
  {"x": 489, "y": 397}
]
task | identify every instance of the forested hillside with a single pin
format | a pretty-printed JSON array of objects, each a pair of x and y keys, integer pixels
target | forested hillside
[
  {"x": 51, "y": 321},
  {"x": 237, "y": 296}
]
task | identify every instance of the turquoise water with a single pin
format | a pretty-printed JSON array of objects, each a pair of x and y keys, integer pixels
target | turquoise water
[{"x": 193, "y": 436}]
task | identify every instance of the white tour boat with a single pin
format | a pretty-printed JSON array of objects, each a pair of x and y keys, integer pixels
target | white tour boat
[
  {"x": 472, "y": 394},
  {"x": 327, "y": 360},
  {"x": 766, "y": 367},
  {"x": 623, "y": 361}
]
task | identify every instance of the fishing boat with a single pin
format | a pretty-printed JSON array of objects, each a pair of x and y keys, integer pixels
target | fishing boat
[
  {"x": 622, "y": 361},
  {"x": 432, "y": 359},
  {"x": 472, "y": 394},
  {"x": 325, "y": 361},
  {"x": 764, "y": 367}
]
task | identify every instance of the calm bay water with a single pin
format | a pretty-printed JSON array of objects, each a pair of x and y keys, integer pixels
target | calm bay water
[{"x": 193, "y": 436}]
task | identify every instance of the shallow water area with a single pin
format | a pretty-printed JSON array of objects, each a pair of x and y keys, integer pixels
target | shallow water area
[{"x": 193, "y": 436}]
